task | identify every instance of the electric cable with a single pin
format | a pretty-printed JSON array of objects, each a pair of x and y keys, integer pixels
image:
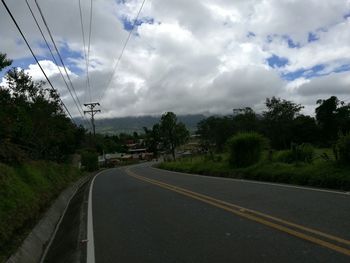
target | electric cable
[
  {"x": 54, "y": 59},
  {"x": 56, "y": 49},
  {"x": 34, "y": 56},
  {"x": 125, "y": 45}
]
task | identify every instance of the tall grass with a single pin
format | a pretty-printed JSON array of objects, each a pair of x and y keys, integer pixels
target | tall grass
[
  {"x": 320, "y": 173},
  {"x": 25, "y": 192}
]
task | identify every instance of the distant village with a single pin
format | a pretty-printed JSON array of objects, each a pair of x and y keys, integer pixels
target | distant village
[{"x": 138, "y": 152}]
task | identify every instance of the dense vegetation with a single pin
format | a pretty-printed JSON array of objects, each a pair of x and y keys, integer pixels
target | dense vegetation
[
  {"x": 320, "y": 173},
  {"x": 233, "y": 145},
  {"x": 281, "y": 122},
  {"x": 33, "y": 123},
  {"x": 36, "y": 142}
]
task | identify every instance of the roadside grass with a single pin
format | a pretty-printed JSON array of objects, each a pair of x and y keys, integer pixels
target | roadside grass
[
  {"x": 26, "y": 192},
  {"x": 320, "y": 173}
]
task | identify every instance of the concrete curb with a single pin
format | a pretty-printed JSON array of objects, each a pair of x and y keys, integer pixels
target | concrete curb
[{"x": 36, "y": 242}]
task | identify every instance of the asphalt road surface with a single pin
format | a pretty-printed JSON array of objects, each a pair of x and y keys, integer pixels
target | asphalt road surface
[{"x": 142, "y": 214}]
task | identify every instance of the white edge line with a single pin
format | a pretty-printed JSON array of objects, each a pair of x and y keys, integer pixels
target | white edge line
[
  {"x": 257, "y": 182},
  {"x": 58, "y": 225},
  {"x": 90, "y": 249}
]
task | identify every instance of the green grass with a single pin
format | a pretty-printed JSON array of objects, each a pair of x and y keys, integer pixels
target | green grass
[
  {"x": 320, "y": 173},
  {"x": 26, "y": 192}
]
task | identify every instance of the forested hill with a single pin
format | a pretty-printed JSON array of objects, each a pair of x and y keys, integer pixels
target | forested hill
[{"x": 131, "y": 124}]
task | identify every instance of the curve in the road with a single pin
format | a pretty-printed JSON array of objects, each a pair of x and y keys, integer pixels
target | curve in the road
[{"x": 256, "y": 216}]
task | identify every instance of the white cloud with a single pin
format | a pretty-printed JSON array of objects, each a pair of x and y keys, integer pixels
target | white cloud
[
  {"x": 197, "y": 56},
  {"x": 49, "y": 67},
  {"x": 336, "y": 83}
]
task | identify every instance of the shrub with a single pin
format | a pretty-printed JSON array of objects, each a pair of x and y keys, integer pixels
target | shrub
[
  {"x": 298, "y": 153},
  {"x": 245, "y": 149},
  {"x": 284, "y": 156},
  {"x": 342, "y": 149},
  {"x": 303, "y": 153},
  {"x": 89, "y": 160}
]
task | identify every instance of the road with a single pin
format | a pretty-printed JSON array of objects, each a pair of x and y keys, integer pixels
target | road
[{"x": 142, "y": 214}]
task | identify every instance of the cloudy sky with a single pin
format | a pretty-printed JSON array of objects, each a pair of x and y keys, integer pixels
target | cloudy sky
[{"x": 197, "y": 56}]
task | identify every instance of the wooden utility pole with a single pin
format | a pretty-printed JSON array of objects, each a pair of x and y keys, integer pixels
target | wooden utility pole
[{"x": 91, "y": 106}]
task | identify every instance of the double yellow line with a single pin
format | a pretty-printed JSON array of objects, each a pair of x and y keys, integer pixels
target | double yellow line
[{"x": 323, "y": 239}]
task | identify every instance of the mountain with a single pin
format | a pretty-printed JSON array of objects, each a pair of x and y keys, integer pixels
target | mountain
[{"x": 136, "y": 124}]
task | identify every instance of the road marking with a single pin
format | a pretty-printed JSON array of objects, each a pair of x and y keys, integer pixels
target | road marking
[
  {"x": 255, "y": 216},
  {"x": 256, "y": 182},
  {"x": 90, "y": 249}
]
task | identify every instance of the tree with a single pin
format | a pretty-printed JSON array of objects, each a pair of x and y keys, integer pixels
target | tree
[
  {"x": 278, "y": 120},
  {"x": 152, "y": 139},
  {"x": 4, "y": 61},
  {"x": 333, "y": 116},
  {"x": 33, "y": 120},
  {"x": 305, "y": 130},
  {"x": 245, "y": 120},
  {"x": 326, "y": 117},
  {"x": 343, "y": 118},
  {"x": 173, "y": 133},
  {"x": 214, "y": 132}
]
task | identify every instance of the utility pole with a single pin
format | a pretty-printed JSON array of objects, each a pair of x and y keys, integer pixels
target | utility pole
[{"x": 91, "y": 106}]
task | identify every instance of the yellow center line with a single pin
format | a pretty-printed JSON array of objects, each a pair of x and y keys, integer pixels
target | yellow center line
[
  {"x": 310, "y": 230},
  {"x": 253, "y": 215}
]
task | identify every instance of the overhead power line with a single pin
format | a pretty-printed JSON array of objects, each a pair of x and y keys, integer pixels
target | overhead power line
[
  {"x": 34, "y": 56},
  {"x": 57, "y": 50},
  {"x": 89, "y": 46},
  {"x": 124, "y": 46},
  {"x": 54, "y": 59},
  {"x": 88, "y": 86}
]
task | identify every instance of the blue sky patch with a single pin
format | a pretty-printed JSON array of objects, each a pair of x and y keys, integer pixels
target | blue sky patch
[
  {"x": 277, "y": 62},
  {"x": 291, "y": 43},
  {"x": 316, "y": 71},
  {"x": 129, "y": 24},
  {"x": 251, "y": 35},
  {"x": 342, "y": 68},
  {"x": 25, "y": 62},
  {"x": 288, "y": 39},
  {"x": 312, "y": 37},
  {"x": 20, "y": 63},
  {"x": 68, "y": 54},
  {"x": 306, "y": 73}
]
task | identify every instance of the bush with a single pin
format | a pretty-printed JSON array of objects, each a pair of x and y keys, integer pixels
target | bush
[
  {"x": 302, "y": 153},
  {"x": 305, "y": 153},
  {"x": 299, "y": 153},
  {"x": 342, "y": 149},
  {"x": 245, "y": 149},
  {"x": 89, "y": 160},
  {"x": 284, "y": 156}
]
